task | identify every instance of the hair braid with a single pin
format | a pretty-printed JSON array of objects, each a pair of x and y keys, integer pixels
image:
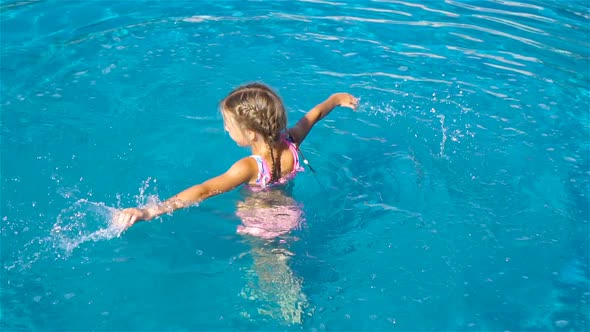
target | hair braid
[{"x": 273, "y": 143}]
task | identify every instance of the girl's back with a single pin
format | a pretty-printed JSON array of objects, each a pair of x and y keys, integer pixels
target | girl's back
[{"x": 288, "y": 158}]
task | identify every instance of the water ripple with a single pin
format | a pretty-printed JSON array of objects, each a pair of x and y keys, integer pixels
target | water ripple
[
  {"x": 470, "y": 38},
  {"x": 423, "y": 7},
  {"x": 486, "y": 56},
  {"x": 511, "y": 23},
  {"x": 503, "y": 12},
  {"x": 323, "y": 2},
  {"x": 420, "y": 54},
  {"x": 14, "y": 5},
  {"x": 435, "y": 24},
  {"x": 523, "y": 72},
  {"x": 401, "y": 77},
  {"x": 383, "y": 10}
]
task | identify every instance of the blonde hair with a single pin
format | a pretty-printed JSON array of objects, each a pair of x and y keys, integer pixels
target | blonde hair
[{"x": 257, "y": 107}]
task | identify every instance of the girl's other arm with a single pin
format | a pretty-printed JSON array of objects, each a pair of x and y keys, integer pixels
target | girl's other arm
[
  {"x": 302, "y": 128},
  {"x": 243, "y": 171}
]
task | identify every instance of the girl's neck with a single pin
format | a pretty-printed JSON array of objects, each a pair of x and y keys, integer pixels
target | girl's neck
[{"x": 260, "y": 147}]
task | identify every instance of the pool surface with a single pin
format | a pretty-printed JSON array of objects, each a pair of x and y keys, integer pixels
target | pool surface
[{"x": 456, "y": 198}]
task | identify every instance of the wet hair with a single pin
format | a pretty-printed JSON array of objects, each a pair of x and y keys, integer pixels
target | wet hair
[{"x": 257, "y": 107}]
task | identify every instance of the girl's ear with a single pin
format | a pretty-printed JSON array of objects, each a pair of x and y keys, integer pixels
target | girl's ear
[{"x": 251, "y": 135}]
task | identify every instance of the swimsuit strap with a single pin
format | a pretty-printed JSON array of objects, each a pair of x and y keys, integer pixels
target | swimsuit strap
[
  {"x": 294, "y": 151},
  {"x": 263, "y": 177}
]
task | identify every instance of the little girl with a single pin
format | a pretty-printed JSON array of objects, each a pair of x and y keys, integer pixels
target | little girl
[{"x": 255, "y": 117}]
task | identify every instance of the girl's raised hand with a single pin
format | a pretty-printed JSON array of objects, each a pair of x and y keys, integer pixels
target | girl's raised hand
[{"x": 345, "y": 100}]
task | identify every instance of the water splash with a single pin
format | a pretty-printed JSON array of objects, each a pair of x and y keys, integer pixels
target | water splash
[
  {"x": 87, "y": 221},
  {"x": 80, "y": 222},
  {"x": 386, "y": 110},
  {"x": 444, "y": 134},
  {"x": 84, "y": 221},
  {"x": 145, "y": 197}
]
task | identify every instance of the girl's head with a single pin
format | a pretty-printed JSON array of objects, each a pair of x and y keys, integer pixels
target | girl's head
[{"x": 255, "y": 109}]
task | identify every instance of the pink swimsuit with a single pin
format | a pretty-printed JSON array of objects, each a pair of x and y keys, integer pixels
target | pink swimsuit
[
  {"x": 273, "y": 221},
  {"x": 264, "y": 174}
]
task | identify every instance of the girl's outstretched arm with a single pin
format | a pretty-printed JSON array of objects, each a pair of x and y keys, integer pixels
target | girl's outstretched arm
[
  {"x": 302, "y": 128},
  {"x": 243, "y": 171}
]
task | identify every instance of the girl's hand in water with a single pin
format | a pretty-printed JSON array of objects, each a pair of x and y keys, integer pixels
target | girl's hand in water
[
  {"x": 345, "y": 100},
  {"x": 127, "y": 217}
]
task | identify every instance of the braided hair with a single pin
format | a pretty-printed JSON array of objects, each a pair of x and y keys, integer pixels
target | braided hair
[{"x": 258, "y": 108}]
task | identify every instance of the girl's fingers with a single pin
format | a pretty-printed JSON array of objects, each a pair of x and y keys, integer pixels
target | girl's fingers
[{"x": 125, "y": 219}]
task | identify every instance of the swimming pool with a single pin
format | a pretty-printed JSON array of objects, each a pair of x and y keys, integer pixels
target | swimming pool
[{"x": 456, "y": 198}]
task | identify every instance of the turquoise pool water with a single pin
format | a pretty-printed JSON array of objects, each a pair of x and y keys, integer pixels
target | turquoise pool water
[{"x": 455, "y": 199}]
